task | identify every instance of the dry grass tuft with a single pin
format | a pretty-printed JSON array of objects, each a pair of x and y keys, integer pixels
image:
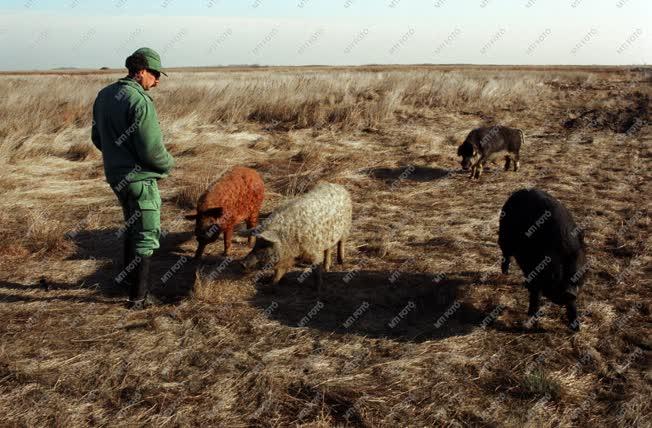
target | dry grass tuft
[
  {"x": 81, "y": 150},
  {"x": 538, "y": 383},
  {"x": 37, "y": 232},
  {"x": 44, "y": 233},
  {"x": 378, "y": 247},
  {"x": 187, "y": 197}
]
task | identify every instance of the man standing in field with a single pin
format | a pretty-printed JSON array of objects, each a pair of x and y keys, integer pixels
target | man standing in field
[{"x": 126, "y": 130}]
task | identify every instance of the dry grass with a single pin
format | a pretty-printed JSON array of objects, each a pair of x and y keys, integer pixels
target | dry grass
[
  {"x": 377, "y": 348},
  {"x": 347, "y": 100}
]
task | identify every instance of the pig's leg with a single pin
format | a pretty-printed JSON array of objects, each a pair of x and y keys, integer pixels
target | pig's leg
[
  {"x": 504, "y": 266},
  {"x": 340, "y": 251},
  {"x": 318, "y": 278},
  {"x": 478, "y": 171},
  {"x": 535, "y": 302},
  {"x": 228, "y": 235},
  {"x": 200, "y": 250},
  {"x": 507, "y": 162},
  {"x": 280, "y": 270},
  {"x": 571, "y": 314},
  {"x": 474, "y": 167},
  {"x": 533, "y": 309},
  {"x": 327, "y": 259},
  {"x": 516, "y": 163},
  {"x": 474, "y": 171},
  {"x": 251, "y": 223}
]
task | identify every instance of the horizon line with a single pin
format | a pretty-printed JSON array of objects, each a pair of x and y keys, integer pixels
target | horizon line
[{"x": 109, "y": 70}]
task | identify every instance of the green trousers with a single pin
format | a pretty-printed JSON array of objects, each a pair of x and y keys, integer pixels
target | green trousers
[{"x": 141, "y": 207}]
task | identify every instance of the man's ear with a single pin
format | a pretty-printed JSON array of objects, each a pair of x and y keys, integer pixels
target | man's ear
[{"x": 214, "y": 212}]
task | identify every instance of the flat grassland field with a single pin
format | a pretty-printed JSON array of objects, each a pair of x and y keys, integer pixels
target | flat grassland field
[{"x": 417, "y": 328}]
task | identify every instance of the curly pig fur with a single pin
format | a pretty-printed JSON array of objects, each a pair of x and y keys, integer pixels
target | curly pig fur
[
  {"x": 236, "y": 197},
  {"x": 306, "y": 228}
]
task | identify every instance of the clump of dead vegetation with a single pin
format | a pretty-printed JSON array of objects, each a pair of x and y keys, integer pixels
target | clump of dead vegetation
[{"x": 36, "y": 232}]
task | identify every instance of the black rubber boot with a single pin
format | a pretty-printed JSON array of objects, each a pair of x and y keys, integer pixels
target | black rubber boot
[
  {"x": 126, "y": 276},
  {"x": 127, "y": 252},
  {"x": 139, "y": 294}
]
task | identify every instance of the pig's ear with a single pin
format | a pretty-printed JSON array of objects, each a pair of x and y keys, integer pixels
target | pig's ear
[
  {"x": 192, "y": 216},
  {"x": 459, "y": 150},
  {"x": 269, "y": 235},
  {"x": 214, "y": 212}
]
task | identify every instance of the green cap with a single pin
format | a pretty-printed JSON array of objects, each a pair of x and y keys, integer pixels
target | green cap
[{"x": 153, "y": 59}]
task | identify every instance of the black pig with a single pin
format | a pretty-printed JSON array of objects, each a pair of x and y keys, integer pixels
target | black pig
[{"x": 540, "y": 233}]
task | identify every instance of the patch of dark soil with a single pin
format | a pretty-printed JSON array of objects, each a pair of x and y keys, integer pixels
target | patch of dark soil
[
  {"x": 338, "y": 404},
  {"x": 625, "y": 120}
]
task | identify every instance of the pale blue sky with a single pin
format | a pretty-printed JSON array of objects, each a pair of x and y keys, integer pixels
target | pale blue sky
[{"x": 43, "y": 34}]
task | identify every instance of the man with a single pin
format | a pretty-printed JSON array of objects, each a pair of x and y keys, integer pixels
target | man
[{"x": 126, "y": 130}]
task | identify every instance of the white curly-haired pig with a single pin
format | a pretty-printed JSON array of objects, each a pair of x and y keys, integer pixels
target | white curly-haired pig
[{"x": 306, "y": 228}]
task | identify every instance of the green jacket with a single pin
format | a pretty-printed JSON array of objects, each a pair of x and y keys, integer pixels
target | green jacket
[{"x": 126, "y": 130}]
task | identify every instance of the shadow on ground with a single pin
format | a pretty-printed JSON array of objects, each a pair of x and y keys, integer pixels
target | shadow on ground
[
  {"x": 402, "y": 306},
  {"x": 172, "y": 272},
  {"x": 410, "y": 173},
  {"x": 45, "y": 297}
]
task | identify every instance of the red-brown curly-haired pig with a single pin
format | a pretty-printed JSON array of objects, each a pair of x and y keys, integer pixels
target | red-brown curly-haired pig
[{"x": 235, "y": 197}]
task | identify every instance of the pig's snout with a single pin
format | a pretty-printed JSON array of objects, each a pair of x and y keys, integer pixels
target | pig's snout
[
  {"x": 466, "y": 164},
  {"x": 249, "y": 262}
]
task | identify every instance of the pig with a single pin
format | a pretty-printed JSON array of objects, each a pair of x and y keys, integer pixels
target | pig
[
  {"x": 235, "y": 197},
  {"x": 488, "y": 143},
  {"x": 540, "y": 233},
  {"x": 306, "y": 228}
]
